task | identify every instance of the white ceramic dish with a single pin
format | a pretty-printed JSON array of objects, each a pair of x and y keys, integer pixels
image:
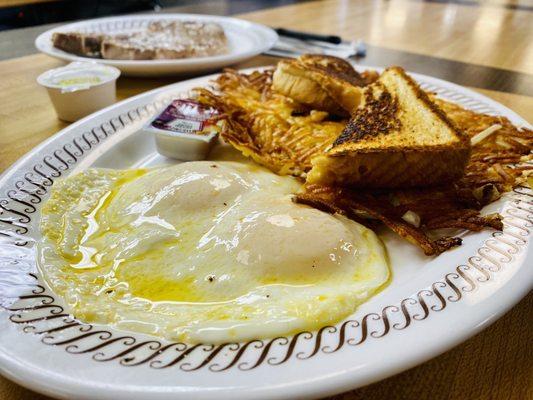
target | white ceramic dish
[
  {"x": 246, "y": 39},
  {"x": 431, "y": 305}
]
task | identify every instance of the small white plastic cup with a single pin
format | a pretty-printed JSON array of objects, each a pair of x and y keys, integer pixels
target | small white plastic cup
[{"x": 80, "y": 88}]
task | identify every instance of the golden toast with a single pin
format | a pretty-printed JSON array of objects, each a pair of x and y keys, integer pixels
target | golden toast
[
  {"x": 321, "y": 82},
  {"x": 396, "y": 138}
]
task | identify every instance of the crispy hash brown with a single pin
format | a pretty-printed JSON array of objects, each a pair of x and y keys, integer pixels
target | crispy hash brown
[
  {"x": 272, "y": 129},
  {"x": 284, "y": 136}
]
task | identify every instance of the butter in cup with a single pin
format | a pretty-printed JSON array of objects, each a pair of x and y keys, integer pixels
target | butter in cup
[{"x": 80, "y": 88}]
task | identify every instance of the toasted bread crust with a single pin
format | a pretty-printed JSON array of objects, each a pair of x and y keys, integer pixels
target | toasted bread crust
[
  {"x": 398, "y": 169},
  {"x": 379, "y": 116},
  {"x": 335, "y": 67},
  {"x": 423, "y": 96},
  {"x": 321, "y": 82},
  {"x": 295, "y": 82},
  {"x": 397, "y": 138}
]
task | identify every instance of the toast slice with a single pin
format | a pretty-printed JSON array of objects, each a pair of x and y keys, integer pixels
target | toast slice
[
  {"x": 323, "y": 83},
  {"x": 168, "y": 40},
  {"x": 397, "y": 138},
  {"x": 159, "y": 40},
  {"x": 129, "y": 47}
]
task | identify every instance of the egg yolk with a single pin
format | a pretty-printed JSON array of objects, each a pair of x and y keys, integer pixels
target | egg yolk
[{"x": 204, "y": 251}]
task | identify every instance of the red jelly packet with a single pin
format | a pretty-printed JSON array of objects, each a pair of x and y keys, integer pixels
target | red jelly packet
[{"x": 187, "y": 116}]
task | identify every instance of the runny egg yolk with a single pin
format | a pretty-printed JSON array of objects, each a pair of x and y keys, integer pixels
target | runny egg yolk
[{"x": 203, "y": 252}]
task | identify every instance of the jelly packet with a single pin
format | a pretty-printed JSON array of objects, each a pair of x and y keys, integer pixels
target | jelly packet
[{"x": 185, "y": 130}]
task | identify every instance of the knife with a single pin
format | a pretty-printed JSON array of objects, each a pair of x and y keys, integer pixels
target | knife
[{"x": 309, "y": 36}]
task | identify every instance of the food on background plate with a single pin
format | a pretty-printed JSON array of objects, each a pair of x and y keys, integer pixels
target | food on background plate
[
  {"x": 78, "y": 43},
  {"x": 160, "y": 40},
  {"x": 212, "y": 252},
  {"x": 286, "y": 136},
  {"x": 396, "y": 138}
]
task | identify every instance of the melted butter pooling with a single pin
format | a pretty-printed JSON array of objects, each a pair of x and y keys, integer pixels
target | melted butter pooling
[{"x": 203, "y": 252}]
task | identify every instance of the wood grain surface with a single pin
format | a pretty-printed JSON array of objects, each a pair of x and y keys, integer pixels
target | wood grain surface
[
  {"x": 13, "y": 3},
  {"x": 483, "y": 35},
  {"x": 495, "y": 364}
]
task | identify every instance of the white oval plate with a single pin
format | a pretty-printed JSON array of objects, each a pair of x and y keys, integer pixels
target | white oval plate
[
  {"x": 431, "y": 305},
  {"x": 246, "y": 39}
]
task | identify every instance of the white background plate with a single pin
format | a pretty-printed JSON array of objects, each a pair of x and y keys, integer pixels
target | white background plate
[
  {"x": 246, "y": 39},
  {"x": 431, "y": 305}
]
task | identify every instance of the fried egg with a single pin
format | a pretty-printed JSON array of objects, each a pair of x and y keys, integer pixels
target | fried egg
[{"x": 203, "y": 252}]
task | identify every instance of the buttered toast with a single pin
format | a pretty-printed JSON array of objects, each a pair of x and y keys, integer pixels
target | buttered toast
[
  {"x": 396, "y": 138},
  {"x": 321, "y": 82}
]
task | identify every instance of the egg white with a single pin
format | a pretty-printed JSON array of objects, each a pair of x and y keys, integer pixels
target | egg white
[{"x": 203, "y": 252}]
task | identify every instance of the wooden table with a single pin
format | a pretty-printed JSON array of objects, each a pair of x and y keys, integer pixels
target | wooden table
[
  {"x": 13, "y": 3},
  {"x": 491, "y": 47}
]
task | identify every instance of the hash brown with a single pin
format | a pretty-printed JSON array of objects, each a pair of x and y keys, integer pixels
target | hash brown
[{"x": 264, "y": 125}]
